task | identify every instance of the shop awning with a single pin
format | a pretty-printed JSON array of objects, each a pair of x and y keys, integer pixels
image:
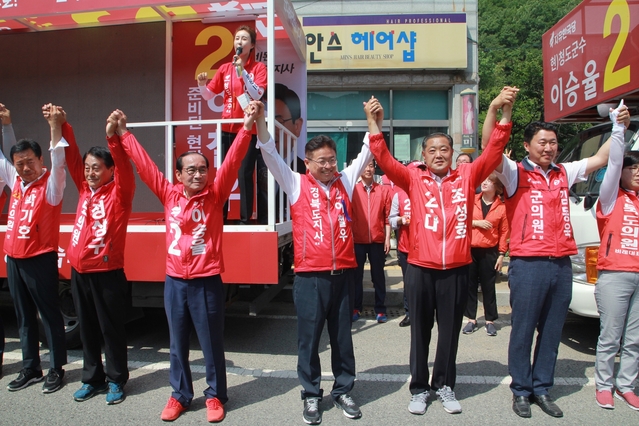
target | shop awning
[{"x": 46, "y": 15}]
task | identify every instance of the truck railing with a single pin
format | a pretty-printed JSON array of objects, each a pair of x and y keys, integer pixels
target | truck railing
[{"x": 279, "y": 215}]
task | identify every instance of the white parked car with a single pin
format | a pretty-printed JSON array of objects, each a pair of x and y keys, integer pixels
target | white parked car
[{"x": 583, "y": 202}]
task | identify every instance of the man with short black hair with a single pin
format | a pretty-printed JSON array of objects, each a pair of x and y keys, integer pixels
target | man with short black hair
[
  {"x": 321, "y": 212},
  {"x": 106, "y": 184},
  {"x": 193, "y": 290},
  {"x": 540, "y": 271},
  {"x": 31, "y": 246},
  {"x": 371, "y": 234},
  {"x": 439, "y": 247}
]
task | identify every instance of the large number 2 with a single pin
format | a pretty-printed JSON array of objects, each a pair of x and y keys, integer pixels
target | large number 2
[
  {"x": 612, "y": 78},
  {"x": 178, "y": 234},
  {"x": 209, "y": 61}
]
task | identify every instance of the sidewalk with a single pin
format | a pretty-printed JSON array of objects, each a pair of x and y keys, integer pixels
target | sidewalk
[{"x": 395, "y": 286}]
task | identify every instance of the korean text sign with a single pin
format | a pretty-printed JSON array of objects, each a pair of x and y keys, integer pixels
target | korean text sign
[
  {"x": 436, "y": 41},
  {"x": 590, "y": 56}
]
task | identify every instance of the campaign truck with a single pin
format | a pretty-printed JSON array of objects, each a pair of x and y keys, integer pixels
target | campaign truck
[{"x": 143, "y": 57}]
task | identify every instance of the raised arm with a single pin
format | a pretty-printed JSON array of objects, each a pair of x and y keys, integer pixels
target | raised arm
[
  {"x": 147, "y": 169},
  {"x": 287, "y": 178},
  {"x": 600, "y": 159},
  {"x": 204, "y": 90},
  {"x": 123, "y": 177},
  {"x": 57, "y": 180},
  {"x": 72, "y": 152},
  {"x": 506, "y": 97},
  {"x": 395, "y": 170},
  {"x": 8, "y": 135},
  {"x": 227, "y": 174},
  {"x": 610, "y": 185},
  {"x": 492, "y": 158}
]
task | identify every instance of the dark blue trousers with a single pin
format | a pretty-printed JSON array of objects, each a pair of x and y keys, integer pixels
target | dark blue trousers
[
  {"x": 540, "y": 293},
  {"x": 377, "y": 260},
  {"x": 196, "y": 303},
  {"x": 321, "y": 298},
  {"x": 33, "y": 283}
]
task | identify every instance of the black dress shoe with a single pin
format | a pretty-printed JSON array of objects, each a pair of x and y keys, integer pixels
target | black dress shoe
[
  {"x": 405, "y": 322},
  {"x": 547, "y": 405},
  {"x": 521, "y": 406}
]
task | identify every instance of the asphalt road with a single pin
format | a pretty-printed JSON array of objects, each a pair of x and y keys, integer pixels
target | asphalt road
[{"x": 263, "y": 387}]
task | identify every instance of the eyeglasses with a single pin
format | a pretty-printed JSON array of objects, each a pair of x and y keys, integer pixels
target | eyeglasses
[
  {"x": 282, "y": 120},
  {"x": 192, "y": 170},
  {"x": 633, "y": 169},
  {"x": 323, "y": 163}
]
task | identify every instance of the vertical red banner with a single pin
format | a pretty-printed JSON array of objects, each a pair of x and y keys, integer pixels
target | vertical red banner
[{"x": 200, "y": 48}]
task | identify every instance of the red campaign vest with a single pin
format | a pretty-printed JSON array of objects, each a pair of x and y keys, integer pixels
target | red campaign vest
[
  {"x": 370, "y": 213},
  {"x": 194, "y": 226},
  {"x": 443, "y": 240},
  {"x": 539, "y": 215},
  {"x": 322, "y": 235},
  {"x": 99, "y": 231},
  {"x": 619, "y": 232},
  {"x": 402, "y": 231},
  {"x": 33, "y": 225}
]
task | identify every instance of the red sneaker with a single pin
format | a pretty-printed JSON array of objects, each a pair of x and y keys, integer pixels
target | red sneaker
[
  {"x": 604, "y": 399},
  {"x": 172, "y": 410},
  {"x": 214, "y": 410},
  {"x": 630, "y": 398}
]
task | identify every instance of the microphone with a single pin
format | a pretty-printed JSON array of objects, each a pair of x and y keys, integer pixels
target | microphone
[{"x": 238, "y": 67}]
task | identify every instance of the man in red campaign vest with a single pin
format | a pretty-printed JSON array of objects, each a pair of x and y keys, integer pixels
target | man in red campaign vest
[
  {"x": 321, "y": 211},
  {"x": 436, "y": 282},
  {"x": 371, "y": 233},
  {"x": 540, "y": 271},
  {"x": 193, "y": 289},
  {"x": 106, "y": 184},
  {"x": 31, "y": 246}
]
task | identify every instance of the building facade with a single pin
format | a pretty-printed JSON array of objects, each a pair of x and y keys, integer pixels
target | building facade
[{"x": 416, "y": 56}]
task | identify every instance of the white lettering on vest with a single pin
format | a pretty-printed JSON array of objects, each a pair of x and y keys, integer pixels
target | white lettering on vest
[
  {"x": 629, "y": 227},
  {"x": 461, "y": 213},
  {"x": 98, "y": 214},
  {"x": 75, "y": 238},
  {"x": 198, "y": 243},
  {"x": 537, "y": 214},
  {"x": 565, "y": 213},
  {"x": 316, "y": 216},
  {"x": 430, "y": 219}
]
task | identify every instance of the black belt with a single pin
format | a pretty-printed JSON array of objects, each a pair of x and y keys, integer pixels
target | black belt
[
  {"x": 538, "y": 257},
  {"x": 333, "y": 272}
]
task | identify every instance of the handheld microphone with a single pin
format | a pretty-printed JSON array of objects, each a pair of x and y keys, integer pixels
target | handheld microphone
[{"x": 238, "y": 67}]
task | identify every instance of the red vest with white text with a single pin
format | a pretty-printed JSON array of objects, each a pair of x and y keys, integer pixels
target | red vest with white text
[
  {"x": 439, "y": 231},
  {"x": 370, "y": 213},
  {"x": 322, "y": 235},
  {"x": 539, "y": 214},
  {"x": 402, "y": 231},
  {"x": 619, "y": 232},
  {"x": 33, "y": 225}
]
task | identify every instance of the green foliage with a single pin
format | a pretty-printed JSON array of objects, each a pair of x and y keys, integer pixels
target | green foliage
[{"x": 510, "y": 54}]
